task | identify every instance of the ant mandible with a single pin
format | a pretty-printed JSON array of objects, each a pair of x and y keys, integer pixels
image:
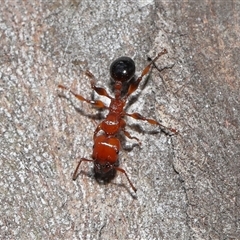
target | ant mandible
[{"x": 106, "y": 140}]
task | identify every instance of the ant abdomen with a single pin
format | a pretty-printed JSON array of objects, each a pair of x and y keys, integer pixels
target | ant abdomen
[{"x": 122, "y": 69}]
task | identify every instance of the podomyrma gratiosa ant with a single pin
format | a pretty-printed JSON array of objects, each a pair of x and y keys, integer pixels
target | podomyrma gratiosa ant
[{"x": 106, "y": 136}]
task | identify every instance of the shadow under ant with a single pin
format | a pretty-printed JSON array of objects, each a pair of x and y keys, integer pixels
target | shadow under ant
[{"x": 106, "y": 179}]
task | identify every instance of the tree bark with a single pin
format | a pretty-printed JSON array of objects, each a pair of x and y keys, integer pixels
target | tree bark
[{"x": 188, "y": 184}]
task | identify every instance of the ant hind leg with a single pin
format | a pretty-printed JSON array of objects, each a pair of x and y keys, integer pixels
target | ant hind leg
[
  {"x": 132, "y": 88},
  {"x": 98, "y": 90},
  {"x": 95, "y": 103}
]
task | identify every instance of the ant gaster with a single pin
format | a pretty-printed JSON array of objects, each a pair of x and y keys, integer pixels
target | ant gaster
[{"x": 106, "y": 136}]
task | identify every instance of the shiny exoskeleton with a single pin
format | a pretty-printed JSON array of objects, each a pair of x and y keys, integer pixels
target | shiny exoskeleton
[{"x": 106, "y": 136}]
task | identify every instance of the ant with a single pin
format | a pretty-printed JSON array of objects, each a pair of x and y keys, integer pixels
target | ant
[{"x": 106, "y": 142}]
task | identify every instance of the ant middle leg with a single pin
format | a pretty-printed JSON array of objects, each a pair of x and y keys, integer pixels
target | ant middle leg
[
  {"x": 126, "y": 133},
  {"x": 138, "y": 116},
  {"x": 145, "y": 71}
]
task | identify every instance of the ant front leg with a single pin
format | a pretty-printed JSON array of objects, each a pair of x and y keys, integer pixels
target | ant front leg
[
  {"x": 95, "y": 103},
  {"x": 133, "y": 87},
  {"x": 75, "y": 174},
  {"x": 124, "y": 172},
  {"x": 138, "y": 116}
]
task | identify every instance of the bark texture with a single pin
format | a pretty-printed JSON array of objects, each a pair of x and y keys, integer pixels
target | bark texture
[{"x": 188, "y": 185}]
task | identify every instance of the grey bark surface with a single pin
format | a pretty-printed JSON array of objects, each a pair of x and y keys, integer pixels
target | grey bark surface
[{"x": 188, "y": 185}]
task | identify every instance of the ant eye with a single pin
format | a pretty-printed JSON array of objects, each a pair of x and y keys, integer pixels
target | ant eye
[{"x": 122, "y": 69}]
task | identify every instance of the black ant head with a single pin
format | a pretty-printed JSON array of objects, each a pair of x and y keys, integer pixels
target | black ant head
[{"x": 122, "y": 69}]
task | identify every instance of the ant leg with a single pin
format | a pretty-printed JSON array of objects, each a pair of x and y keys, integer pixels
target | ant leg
[
  {"x": 98, "y": 90},
  {"x": 145, "y": 71},
  {"x": 98, "y": 128},
  {"x": 151, "y": 121},
  {"x": 126, "y": 133},
  {"x": 95, "y": 103},
  {"x": 75, "y": 174},
  {"x": 123, "y": 171}
]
